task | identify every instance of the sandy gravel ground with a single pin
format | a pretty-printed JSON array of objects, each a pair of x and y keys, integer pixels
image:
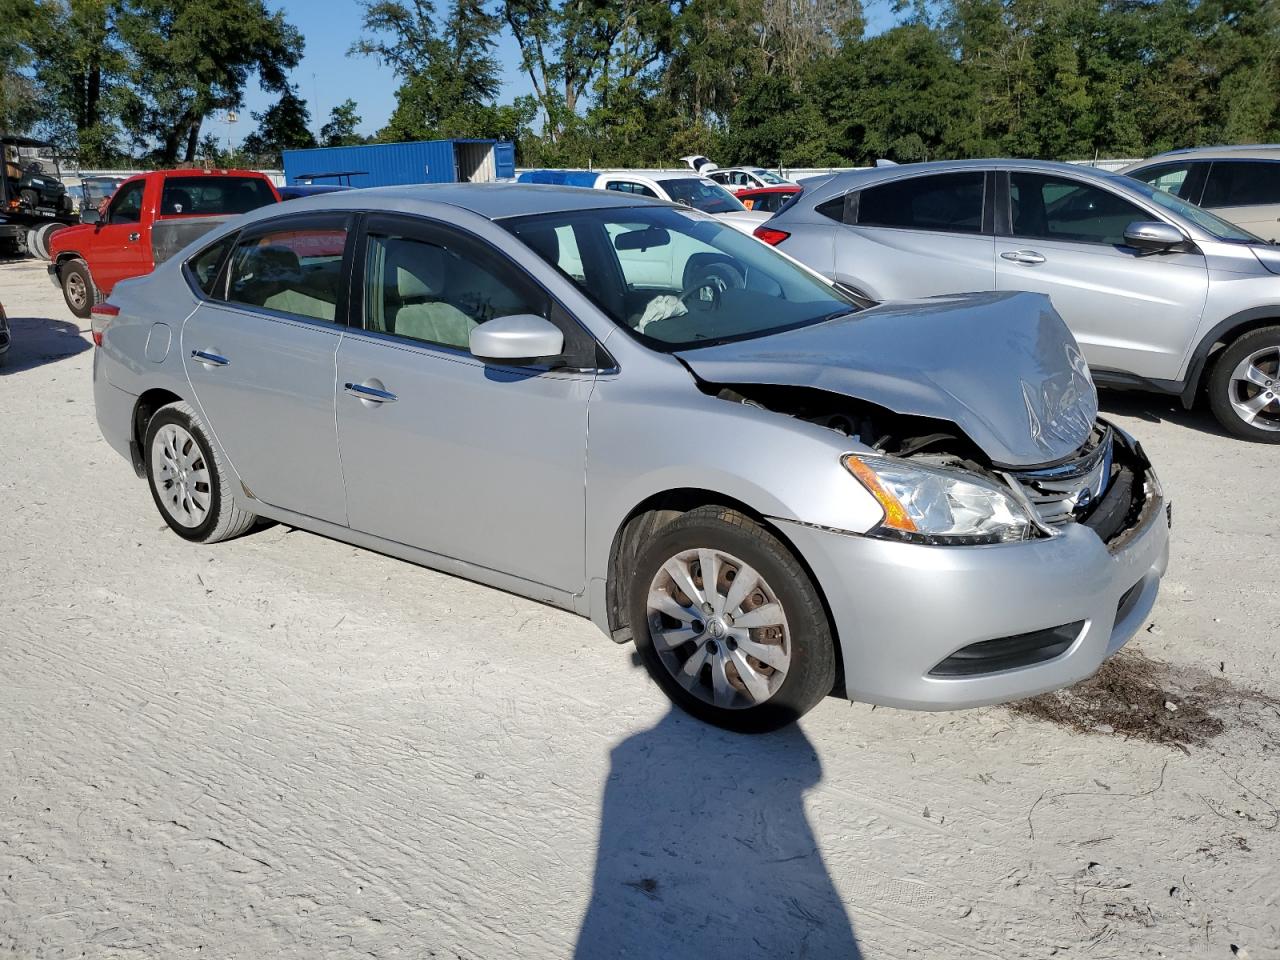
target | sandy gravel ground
[{"x": 286, "y": 747}]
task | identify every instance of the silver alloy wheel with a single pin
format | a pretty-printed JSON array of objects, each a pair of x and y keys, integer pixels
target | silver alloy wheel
[
  {"x": 77, "y": 293},
  {"x": 719, "y": 628},
  {"x": 1254, "y": 390},
  {"x": 181, "y": 475}
]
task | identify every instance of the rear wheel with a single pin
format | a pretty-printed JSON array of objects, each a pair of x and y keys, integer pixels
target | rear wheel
[
  {"x": 190, "y": 485},
  {"x": 728, "y": 623},
  {"x": 78, "y": 288},
  {"x": 1244, "y": 389}
]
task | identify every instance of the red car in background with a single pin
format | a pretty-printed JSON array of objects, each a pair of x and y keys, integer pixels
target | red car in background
[
  {"x": 768, "y": 199},
  {"x": 150, "y": 217}
]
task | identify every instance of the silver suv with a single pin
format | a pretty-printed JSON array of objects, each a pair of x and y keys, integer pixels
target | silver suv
[
  {"x": 1240, "y": 184},
  {"x": 1160, "y": 294}
]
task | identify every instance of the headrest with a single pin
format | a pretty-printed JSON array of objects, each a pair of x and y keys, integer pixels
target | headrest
[
  {"x": 271, "y": 262},
  {"x": 177, "y": 201},
  {"x": 414, "y": 270}
]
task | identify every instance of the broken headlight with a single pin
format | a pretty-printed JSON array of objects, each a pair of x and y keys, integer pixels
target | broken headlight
[{"x": 932, "y": 505}]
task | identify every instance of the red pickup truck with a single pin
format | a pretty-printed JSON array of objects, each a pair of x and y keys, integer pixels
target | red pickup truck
[{"x": 149, "y": 218}]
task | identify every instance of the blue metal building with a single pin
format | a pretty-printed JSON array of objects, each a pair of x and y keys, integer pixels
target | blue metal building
[{"x": 385, "y": 164}]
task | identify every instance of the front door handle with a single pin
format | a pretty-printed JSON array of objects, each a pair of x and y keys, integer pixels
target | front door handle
[
  {"x": 1028, "y": 257},
  {"x": 375, "y": 394},
  {"x": 209, "y": 359},
  {"x": 134, "y": 236}
]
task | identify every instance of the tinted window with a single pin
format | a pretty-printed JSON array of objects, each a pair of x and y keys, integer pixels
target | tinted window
[
  {"x": 424, "y": 291},
  {"x": 704, "y": 195},
  {"x": 126, "y": 207},
  {"x": 950, "y": 202},
  {"x": 768, "y": 202},
  {"x": 626, "y": 186},
  {"x": 296, "y": 271},
  {"x": 1051, "y": 208},
  {"x": 206, "y": 264},
  {"x": 833, "y": 208},
  {"x": 1169, "y": 177},
  {"x": 214, "y": 196},
  {"x": 1242, "y": 183}
]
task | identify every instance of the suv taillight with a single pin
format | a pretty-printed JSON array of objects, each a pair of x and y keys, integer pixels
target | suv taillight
[
  {"x": 770, "y": 236},
  {"x": 100, "y": 317}
]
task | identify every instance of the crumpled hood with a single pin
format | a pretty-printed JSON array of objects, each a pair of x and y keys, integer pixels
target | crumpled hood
[{"x": 1002, "y": 367}]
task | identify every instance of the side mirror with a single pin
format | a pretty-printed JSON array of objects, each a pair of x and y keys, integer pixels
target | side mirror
[
  {"x": 1152, "y": 236},
  {"x": 516, "y": 339},
  {"x": 89, "y": 215}
]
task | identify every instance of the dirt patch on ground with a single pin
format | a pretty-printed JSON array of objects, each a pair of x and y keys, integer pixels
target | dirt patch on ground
[{"x": 1135, "y": 696}]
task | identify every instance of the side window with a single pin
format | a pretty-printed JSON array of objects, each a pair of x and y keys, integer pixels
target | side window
[
  {"x": 1052, "y": 208},
  {"x": 205, "y": 266},
  {"x": 950, "y": 202},
  {"x": 833, "y": 208},
  {"x": 297, "y": 271},
  {"x": 126, "y": 206},
  {"x": 1242, "y": 183},
  {"x": 425, "y": 291},
  {"x": 1169, "y": 177},
  {"x": 627, "y": 186}
]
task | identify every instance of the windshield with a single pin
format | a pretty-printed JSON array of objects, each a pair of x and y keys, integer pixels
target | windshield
[
  {"x": 676, "y": 279},
  {"x": 702, "y": 194},
  {"x": 1202, "y": 218},
  {"x": 769, "y": 177}
]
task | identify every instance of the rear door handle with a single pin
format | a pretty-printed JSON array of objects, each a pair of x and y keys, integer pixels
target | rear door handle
[
  {"x": 209, "y": 359},
  {"x": 369, "y": 393},
  {"x": 1028, "y": 257}
]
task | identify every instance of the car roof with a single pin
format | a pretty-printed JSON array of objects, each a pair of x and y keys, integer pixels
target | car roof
[
  {"x": 493, "y": 201},
  {"x": 1250, "y": 151}
]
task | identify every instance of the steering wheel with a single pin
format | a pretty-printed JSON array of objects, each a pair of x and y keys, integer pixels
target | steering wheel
[{"x": 717, "y": 278}]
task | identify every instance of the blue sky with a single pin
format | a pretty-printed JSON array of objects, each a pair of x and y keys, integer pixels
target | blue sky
[{"x": 327, "y": 76}]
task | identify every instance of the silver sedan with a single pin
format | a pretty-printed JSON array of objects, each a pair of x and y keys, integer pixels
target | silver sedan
[{"x": 629, "y": 410}]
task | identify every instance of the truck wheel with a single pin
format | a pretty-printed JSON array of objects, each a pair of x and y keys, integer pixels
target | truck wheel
[
  {"x": 1244, "y": 388},
  {"x": 78, "y": 288},
  {"x": 35, "y": 241},
  {"x": 729, "y": 624}
]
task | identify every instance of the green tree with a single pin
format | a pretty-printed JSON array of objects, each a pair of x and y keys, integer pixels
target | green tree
[
  {"x": 285, "y": 125},
  {"x": 188, "y": 60},
  {"x": 19, "y": 95},
  {"x": 340, "y": 130}
]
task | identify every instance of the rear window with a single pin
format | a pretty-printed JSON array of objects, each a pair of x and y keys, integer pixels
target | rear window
[{"x": 214, "y": 196}]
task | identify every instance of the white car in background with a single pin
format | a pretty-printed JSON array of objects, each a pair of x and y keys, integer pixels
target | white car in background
[
  {"x": 738, "y": 179},
  {"x": 678, "y": 186}
]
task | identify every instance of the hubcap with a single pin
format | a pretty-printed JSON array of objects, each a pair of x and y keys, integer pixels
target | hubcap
[
  {"x": 1254, "y": 390},
  {"x": 76, "y": 290},
  {"x": 719, "y": 628},
  {"x": 181, "y": 475}
]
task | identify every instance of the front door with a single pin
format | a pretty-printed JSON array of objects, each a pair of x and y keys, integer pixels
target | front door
[
  {"x": 1131, "y": 311},
  {"x": 122, "y": 244},
  {"x": 261, "y": 356},
  {"x": 440, "y": 451}
]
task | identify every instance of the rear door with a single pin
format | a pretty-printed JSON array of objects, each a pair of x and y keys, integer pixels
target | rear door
[
  {"x": 1130, "y": 311},
  {"x": 1247, "y": 193},
  {"x": 916, "y": 237},
  {"x": 122, "y": 244},
  {"x": 260, "y": 355},
  {"x": 440, "y": 451}
]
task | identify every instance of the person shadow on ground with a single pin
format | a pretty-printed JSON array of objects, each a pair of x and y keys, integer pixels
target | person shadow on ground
[{"x": 705, "y": 851}]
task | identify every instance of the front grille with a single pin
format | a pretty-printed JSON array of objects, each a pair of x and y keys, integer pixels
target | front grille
[
  {"x": 1068, "y": 490},
  {"x": 1009, "y": 653}
]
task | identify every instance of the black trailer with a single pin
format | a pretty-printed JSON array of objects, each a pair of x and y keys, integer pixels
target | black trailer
[{"x": 32, "y": 193}]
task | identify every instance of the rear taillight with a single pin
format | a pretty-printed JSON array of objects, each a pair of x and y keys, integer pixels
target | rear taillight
[
  {"x": 770, "y": 236},
  {"x": 100, "y": 317}
]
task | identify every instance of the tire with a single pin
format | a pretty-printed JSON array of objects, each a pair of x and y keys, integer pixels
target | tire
[
  {"x": 1244, "y": 388},
  {"x": 78, "y": 288},
  {"x": 790, "y": 623},
  {"x": 35, "y": 242},
  {"x": 189, "y": 483}
]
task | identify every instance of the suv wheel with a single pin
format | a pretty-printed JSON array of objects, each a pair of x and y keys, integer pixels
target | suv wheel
[
  {"x": 78, "y": 288},
  {"x": 1244, "y": 389},
  {"x": 728, "y": 623},
  {"x": 190, "y": 485}
]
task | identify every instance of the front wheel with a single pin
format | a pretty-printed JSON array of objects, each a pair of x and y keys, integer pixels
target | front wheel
[
  {"x": 78, "y": 288},
  {"x": 190, "y": 485},
  {"x": 729, "y": 624},
  {"x": 1244, "y": 388}
]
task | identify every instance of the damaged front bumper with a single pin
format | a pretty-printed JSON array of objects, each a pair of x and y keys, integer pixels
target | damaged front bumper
[{"x": 939, "y": 628}]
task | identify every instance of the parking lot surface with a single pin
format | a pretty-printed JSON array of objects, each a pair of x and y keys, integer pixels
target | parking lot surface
[{"x": 283, "y": 746}]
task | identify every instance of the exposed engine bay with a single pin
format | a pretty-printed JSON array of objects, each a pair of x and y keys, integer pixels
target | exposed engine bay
[{"x": 1103, "y": 484}]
